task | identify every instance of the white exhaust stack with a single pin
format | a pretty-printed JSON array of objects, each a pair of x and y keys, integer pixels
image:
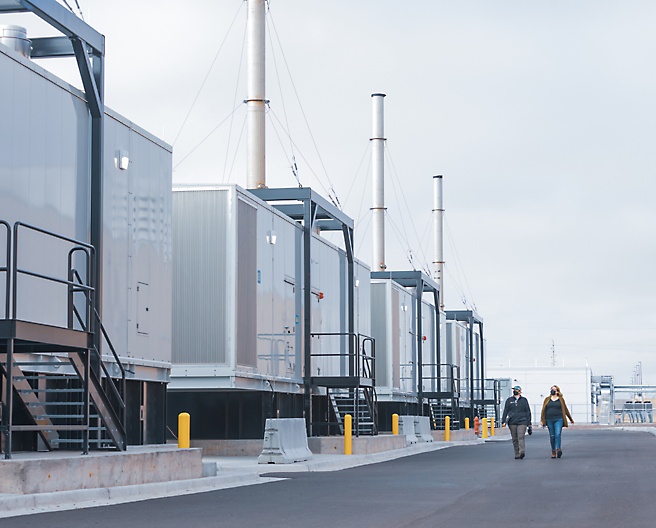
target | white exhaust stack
[
  {"x": 256, "y": 175},
  {"x": 378, "y": 182},
  {"x": 438, "y": 233}
]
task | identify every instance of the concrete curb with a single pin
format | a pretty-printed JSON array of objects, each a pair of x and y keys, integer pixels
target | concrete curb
[
  {"x": 650, "y": 430},
  {"x": 227, "y": 477}
]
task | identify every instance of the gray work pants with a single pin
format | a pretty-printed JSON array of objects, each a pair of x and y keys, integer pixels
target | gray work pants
[{"x": 518, "y": 433}]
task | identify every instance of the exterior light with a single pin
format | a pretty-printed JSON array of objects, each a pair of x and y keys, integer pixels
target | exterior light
[{"x": 123, "y": 160}]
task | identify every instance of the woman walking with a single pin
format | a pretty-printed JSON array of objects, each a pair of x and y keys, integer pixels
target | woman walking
[{"x": 554, "y": 416}]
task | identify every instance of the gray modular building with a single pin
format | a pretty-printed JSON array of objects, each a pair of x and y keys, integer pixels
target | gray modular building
[
  {"x": 46, "y": 204},
  {"x": 241, "y": 350}
]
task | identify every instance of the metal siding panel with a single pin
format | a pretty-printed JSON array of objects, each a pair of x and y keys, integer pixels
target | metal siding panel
[
  {"x": 200, "y": 284},
  {"x": 117, "y": 225},
  {"x": 246, "y": 342},
  {"x": 396, "y": 338},
  {"x": 263, "y": 305},
  {"x": 379, "y": 305}
]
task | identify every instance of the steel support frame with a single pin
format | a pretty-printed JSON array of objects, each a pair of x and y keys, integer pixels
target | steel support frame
[
  {"x": 421, "y": 283},
  {"x": 472, "y": 318},
  {"x": 88, "y": 47},
  {"x": 314, "y": 212}
]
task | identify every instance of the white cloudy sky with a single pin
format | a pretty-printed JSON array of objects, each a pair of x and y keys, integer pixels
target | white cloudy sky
[{"x": 540, "y": 115}]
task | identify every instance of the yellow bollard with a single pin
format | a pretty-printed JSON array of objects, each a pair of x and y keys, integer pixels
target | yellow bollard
[
  {"x": 491, "y": 426},
  {"x": 395, "y": 424},
  {"x": 467, "y": 423},
  {"x": 484, "y": 427},
  {"x": 184, "y": 430},
  {"x": 348, "y": 434},
  {"x": 447, "y": 428}
]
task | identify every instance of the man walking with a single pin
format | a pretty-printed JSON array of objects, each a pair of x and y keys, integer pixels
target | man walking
[{"x": 517, "y": 415}]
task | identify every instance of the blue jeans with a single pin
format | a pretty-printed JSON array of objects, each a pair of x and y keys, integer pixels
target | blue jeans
[{"x": 555, "y": 429}]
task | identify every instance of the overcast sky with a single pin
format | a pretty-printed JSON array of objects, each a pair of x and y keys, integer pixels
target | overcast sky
[{"x": 540, "y": 115}]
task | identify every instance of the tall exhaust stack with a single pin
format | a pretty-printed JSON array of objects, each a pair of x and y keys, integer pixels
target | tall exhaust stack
[
  {"x": 438, "y": 228},
  {"x": 378, "y": 181},
  {"x": 255, "y": 101}
]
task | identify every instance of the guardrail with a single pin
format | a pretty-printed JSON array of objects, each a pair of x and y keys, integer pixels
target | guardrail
[{"x": 354, "y": 352}]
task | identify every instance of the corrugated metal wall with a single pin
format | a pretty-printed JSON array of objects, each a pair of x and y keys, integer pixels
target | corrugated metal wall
[
  {"x": 200, "y": 241},
  {"x": 246, "y": 284},
  {"x": 379, "y": 307}
]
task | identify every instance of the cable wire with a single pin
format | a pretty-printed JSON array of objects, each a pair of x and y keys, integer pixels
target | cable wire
[
  {"x": 234, "y": 102},
  {"x": 207, "y": 136},
  {"x": 458, "y": 261},
  {"x": 332, "y": 196},
  {"x": 206, "y": 76}
]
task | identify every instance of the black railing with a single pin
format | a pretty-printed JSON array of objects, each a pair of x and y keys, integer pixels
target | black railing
[
  {"x": 16, "y": 270},
  {"x": 359, "y": 364},
  {"x": 441, "y": 378},
  {"x": 6, "y": 269},
  {"x": 89, "y": 322},
  {"x": 357, "y": 359}
]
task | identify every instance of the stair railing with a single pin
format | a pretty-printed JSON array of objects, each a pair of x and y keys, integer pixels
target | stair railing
[
  {"x": 6, "y": 269},
  {"x": 119, "y": 394},
  {"x": 16, "y": 270},
  {"x": 90, "y": 323}
]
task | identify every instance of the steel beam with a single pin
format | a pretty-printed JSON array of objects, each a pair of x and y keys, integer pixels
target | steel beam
[{"x": 58, "y": 17}]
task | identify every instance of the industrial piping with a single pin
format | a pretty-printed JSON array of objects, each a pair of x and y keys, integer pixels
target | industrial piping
[
  {"x": 378, "y": 182},
  {"x": 255, "y": 101},
  {"x": 438, "y": 228}
]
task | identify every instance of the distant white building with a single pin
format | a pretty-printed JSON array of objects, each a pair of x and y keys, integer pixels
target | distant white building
[{"x": 574, "y": 383}]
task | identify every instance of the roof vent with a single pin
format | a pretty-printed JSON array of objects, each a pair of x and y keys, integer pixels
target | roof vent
[{"x": 15, "y": 37}]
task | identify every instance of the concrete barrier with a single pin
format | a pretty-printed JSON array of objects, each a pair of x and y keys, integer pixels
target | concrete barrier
[
  {"x": 407, "y": 428},
  {"x": 285, "y": 441},
  {"x": 423, "y": 429}
]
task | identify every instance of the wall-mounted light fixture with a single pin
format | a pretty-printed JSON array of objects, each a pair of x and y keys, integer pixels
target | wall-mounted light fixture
[
  {"x": 123, "y": 160},
  {"x": 271, "y": 237}
]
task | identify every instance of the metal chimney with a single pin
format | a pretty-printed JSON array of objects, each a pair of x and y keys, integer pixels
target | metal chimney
[
  {"x": 256, "y": 171},
  {"x": 438, "y": 233},
  {"x": 15, "y": 37},
  {"x": 378, "y": 182}
]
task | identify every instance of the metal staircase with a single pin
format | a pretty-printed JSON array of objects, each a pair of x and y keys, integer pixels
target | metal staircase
[
  {"x": 446, "y": 400},
  {"x": 348, "y": 377},
  {"x": 55, "y": 384},
  {"x": 360, "y": 403},
  {"x": 440, "y": 409}
]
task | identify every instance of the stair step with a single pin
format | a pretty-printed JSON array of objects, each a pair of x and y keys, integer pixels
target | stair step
[
  {"x": 56, "y": 404},
  {"x": 50, "y": 391}
]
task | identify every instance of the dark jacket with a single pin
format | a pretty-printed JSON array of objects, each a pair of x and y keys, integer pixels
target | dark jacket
[{"x": 517, "y": 411}]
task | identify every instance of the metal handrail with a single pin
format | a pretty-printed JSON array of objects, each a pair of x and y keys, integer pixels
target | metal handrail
[
  {"x": 360, "y": 357},
  {"x": 119, "y": 395},
  {"x": 72, "y": 275},
  {"x": 452, "y": 378},
  {"x": 7, "y": 270},
  {"x": 76, "y": 285},
  {"x": 80, "y": 246}
]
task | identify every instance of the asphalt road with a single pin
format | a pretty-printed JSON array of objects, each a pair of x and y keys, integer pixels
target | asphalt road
[{"x": 605, "y": 478}]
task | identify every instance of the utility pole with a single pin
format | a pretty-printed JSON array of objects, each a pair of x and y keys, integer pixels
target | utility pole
[{"x": 553, "y": 353}]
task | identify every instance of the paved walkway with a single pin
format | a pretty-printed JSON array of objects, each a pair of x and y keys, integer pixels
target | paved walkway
[
  {"x": 231, "y": 472},
  {"x": 605, "y": 478}
]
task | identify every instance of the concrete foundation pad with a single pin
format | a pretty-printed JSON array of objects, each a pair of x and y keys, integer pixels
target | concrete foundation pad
[
  {"x": 38, "y": 473},
  {"x": 362, "y": 445},
  {"x": 319, "y": 445},
  {"x": 459, "y": 435}
]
